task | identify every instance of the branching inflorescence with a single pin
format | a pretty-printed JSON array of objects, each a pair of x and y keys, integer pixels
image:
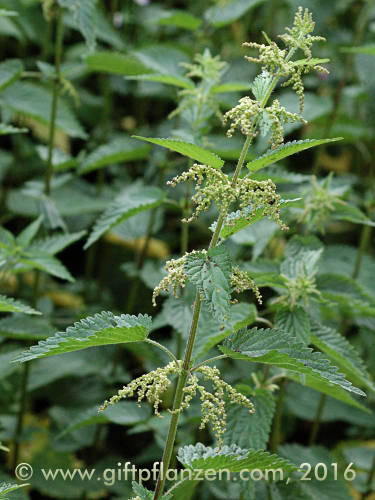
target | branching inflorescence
[{"x": 152, "y": 385}]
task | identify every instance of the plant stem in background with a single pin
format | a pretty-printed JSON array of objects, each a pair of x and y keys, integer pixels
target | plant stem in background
[
  {"x": 276, "y": 429},
  {"x": 47, "y": 190},
  {"x": 318, "y": 416},
  {"x": 55, "y": 95}
]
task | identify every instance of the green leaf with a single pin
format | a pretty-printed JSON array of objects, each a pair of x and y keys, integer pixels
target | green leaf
[
  {"x": 101, "y": 329},
  {"x": 35, "y": 101},
  {"x": 364, "y": 49},
  {"x": 177, "y": 81},
  {"x": 43, "y": 261},
  {"x": 123, "y": 413},
  {"x": 187, "y": 149},
  {"x": 230, "y": 87},
  {"x": 145, "y": 494},
  {"x": 10, "y": 71},
  {"x": 179, "y": 18},
  {"x": 119, "y": 150},
  {"x": 295, "y": 321},
  {"x": 6, "y": 129},
  {"x": 231, "y": 458},
  {"x": 9, "y": 487},
  {"x": 221, "y": 15},
  {"x": 312, "y": 488},
  {"x": 7, "y": 304},
  {"x": 278, "y": 348},
  {"x": 210, "y": 273},
  {"x": 35, "y": 328},
  {"x": 236, "y": 222},
  {"x": 345, "y": 211},
  {"x": 251, "y": 431},
  {"x": 342, "y": 353},
  {"x": 210, "y": 332},
  {"x": 115, "y": 63},
  {"x": 346, "y": 292},
  {"x": 24, "y": 238},
  {"x": 287, "y": 149},
  {"x": 60, "y": 159},
  {"x": 129, "y": 202},
  {"x": 84, "y": 15},
  {"x": 56, "y": 243}
]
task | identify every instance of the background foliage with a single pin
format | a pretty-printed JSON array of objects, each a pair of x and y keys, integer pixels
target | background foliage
[{"x": 87, "y": 224}]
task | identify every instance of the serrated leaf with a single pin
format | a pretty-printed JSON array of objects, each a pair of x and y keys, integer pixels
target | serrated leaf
[
  {"x": 210, "y": 332},
  {"x": 231, "y": 458},
  {"x": 84, "y": 15},
  {"x": 35, "y": 101},
  {"x": 278, "y": 348},
  {"x": 56, "y": 243},
  {"x": 113, "y": 62},
  {"x": 210, "y": 273},
  {"x": 145, "y": 494},
  {"x": 6, "y": 129},
  {"x": 7, "y": 304},
  {"x": 295, "y": 321},
  {"x": 10, "y": 71},
  {"x": 235, "y": 222},
  {"x": 287, "y": 149},
  {"x": 43, "y": 261},
  {"x": 119, "y": 150},
  {"x": 342, "y": 353},
  {"x": 261, "y": 84},
  {"x": 251, "y": 431},
  {"x": 9, "y": 487},
  {"x": 176, "y": 81},
  {"x": 187, "y": 149},
  {"x": 26, "y": 235},
  {"x": 346, "y": 292},
  {"x": 128, "y": 203},
  {"x": 101, "y": 329}
]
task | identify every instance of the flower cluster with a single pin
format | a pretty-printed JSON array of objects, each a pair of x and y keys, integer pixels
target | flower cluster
[
  {"x": 213, "y": 404},
  {"x": 244, "y": 115},
  {"x": 212, "y": 185},
  {"x": 241, "y": 281},
  {"x": 175, "y": 278},
  {"x": 300, "y": 290},
  {"x": 150, "y": 386},
  {"x": 277, "y": 61}
]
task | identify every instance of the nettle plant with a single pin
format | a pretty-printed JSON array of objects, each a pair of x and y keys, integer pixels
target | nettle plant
[{"x": 216, "y": 280}]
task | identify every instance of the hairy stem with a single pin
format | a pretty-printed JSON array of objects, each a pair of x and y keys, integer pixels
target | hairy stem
[
  {"x": 56, "y": 86},
  {"x": 168, "y": 449}
]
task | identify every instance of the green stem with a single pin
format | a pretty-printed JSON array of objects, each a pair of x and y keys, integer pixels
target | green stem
[
  {"x": 318, "y": 415},
  {"x": 168, "y": 449},
  {"x": 276, "y": 431},
  {"x": 55, "y": 95},
  {"x": 222, "y": 356},
  {"x": 163, "y": 348},
  {"x": 169, "y": 445}
]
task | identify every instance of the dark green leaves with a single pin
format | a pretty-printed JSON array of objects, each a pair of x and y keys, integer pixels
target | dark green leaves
[
  {"x": 119, "y": 150},
  {"x": 185, "y": 148},
  {"x": 113, "y": 62},
  {"x": 231, "y": 458},
  {"x": 210, "y": 273},
  {"x": 102, "y": 329},
  {"x": 7, "y": 304},
  {"x": 10, "y": 71},
  {"x": 279, "y": 348},
  {"x": 287, "y": 149},
  {"x": 128, "y": 203}
]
